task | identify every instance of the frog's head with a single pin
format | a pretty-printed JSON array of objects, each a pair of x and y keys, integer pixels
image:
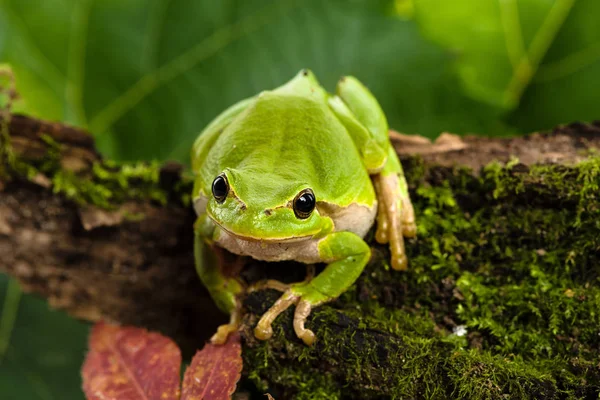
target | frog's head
[{"x": 269, "y": 207}]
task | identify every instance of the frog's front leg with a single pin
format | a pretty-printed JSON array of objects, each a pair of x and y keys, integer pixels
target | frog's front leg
[
  {"x": 222, "y": 288},
  {"x": 346, "y": 254}
]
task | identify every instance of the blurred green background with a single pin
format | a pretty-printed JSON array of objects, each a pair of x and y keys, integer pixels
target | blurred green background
[{"x": 146, "y": 75}]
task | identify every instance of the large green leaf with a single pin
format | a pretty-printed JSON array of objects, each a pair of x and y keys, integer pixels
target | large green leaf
[
  {"x": 567, "y": 84},
  {"x": 146, "y": 76},
  {"x": 41, "y": 350},
  {"x": 539, "y": 59}
]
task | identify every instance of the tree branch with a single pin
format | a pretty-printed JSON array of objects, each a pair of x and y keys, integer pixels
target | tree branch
[
  {"x": 132, "y": 264},
  {"x": 386, "y": 337}
]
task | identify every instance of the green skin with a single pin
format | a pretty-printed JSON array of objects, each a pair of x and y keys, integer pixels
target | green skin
[{"x": 270, "y": 148}]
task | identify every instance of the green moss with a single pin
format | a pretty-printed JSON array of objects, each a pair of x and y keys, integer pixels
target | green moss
[
  {"x": 300, "y": 376},
  {"x": 107, "y": 184},
  {"x": 480, "y": 375},
  {"x": 111, "y": 184},
  {"x": 10, "y": 164},
  {"x": 511, "y": 255}
]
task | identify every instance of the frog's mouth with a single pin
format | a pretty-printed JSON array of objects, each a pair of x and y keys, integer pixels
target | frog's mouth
[{"x": 289, "y": 239}]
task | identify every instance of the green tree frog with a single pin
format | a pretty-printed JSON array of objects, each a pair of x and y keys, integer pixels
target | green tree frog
[{"x": 296, "y": 173}]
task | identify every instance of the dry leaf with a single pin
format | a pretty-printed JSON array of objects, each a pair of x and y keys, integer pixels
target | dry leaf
[
  {"x": 214, "y": 371},
  {"x": 127, "y": 363}
]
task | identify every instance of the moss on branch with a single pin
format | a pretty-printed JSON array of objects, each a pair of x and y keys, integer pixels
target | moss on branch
[{"x": 501, "y": 300}]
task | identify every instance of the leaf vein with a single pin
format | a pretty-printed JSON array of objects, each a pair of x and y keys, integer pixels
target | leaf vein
[
  {"x": 513, "y": 36},
  {"x": 53, "y": 74},
  {"x": 74, "y": 108},
  {"x": 121, "y": 359},
  {"x": 568, "y": 65},
  {"x": 525, "y": 71},
  {"x": 154, "y": 30},
  {"x": 183, "y": 63}
]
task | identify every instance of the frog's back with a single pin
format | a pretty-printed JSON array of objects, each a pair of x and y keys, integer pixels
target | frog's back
[{"x": 284, "y": 139}]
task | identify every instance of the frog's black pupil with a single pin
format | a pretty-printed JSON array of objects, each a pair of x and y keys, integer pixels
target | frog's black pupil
[
  {"x": 304, "y": 204},
  {"x": 220, "y": 188}
]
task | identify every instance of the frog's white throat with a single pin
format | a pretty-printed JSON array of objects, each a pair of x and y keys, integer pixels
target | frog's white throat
[
  {"x": 290, "y": 239},
  {"x": 302, "y": 249}
]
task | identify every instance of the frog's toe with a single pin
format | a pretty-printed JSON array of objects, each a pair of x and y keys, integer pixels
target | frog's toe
[
  {"x": 381, "y": 234},
  {"x": 399, "y": 262},
  {"x": 223, "y": 332},
  {"x": 263, "y": 330},
  {"x": 409, "y": 226},
  {"x": 304, "y": 297},
  {"x": 307, "y": 336},
  {"x": 302, "y": 312},
  {"x": 409, "y": 231}
]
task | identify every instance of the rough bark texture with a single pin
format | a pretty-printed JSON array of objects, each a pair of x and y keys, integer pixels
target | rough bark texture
[
  {"x": 508, "y": 252},
  {"x": 131, "y": 264}
]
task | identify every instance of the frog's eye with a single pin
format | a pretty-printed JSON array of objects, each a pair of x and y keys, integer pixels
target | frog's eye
[
  {"x": 304, "y": 203},
  {"x": 220, "y": 188}
]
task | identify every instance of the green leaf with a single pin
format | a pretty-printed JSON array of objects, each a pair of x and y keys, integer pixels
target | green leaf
[
  {"x": 147, "y": 76},
  {"x": 41, "y": 350},
  {"x": 566, "y": 86},
  {"x": 539, "y": 59}
]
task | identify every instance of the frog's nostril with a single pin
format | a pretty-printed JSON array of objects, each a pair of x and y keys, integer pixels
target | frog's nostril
[{"x": 268, "y": 212}]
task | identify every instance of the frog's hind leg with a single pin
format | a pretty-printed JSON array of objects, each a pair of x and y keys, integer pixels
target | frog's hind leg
[{"x": 395, "y": 217}]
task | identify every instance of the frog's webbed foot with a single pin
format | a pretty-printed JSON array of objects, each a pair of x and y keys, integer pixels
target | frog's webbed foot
[
  {"x": 395, "y": 217},
  {"x": 264, "y": 329}
]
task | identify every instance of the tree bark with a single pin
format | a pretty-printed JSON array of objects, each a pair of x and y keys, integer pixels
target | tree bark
[{"x": 133, "y": 263}]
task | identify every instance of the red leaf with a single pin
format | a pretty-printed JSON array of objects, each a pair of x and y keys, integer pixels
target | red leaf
[
  {"x": 126, "y": 363},
  {"x": 214, "y": 371}
]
